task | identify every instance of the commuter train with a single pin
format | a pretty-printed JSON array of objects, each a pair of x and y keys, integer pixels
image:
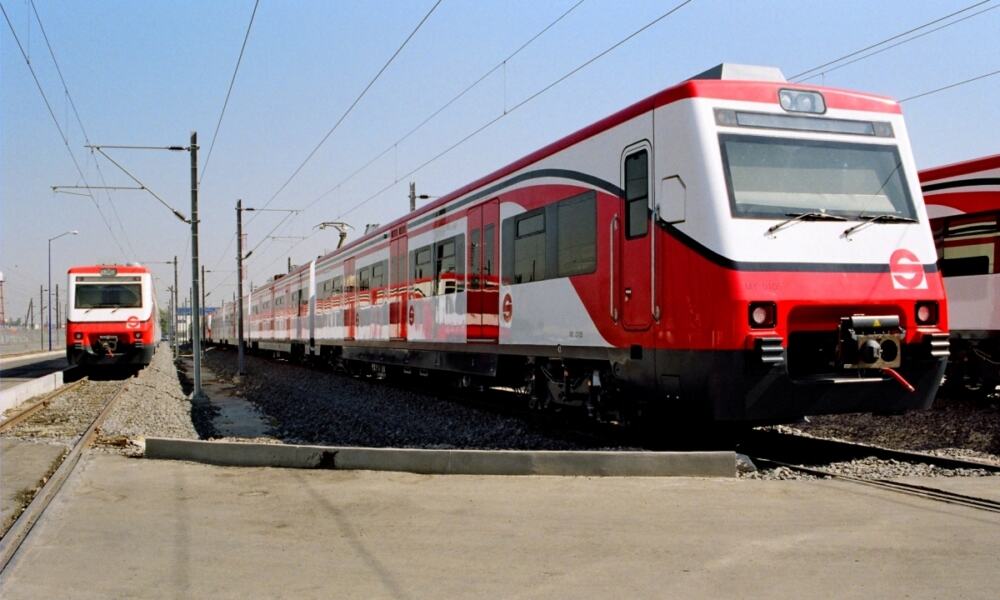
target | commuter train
[
  {"x": 963, "y": 202},
  {"x": 112, "y": 317},
  {"x": 734, "y": 249}
]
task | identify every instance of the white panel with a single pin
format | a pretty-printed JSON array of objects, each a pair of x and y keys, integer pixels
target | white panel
[
  {"x": 548, "y": 313},
  {"x": 973, "y": 302}
]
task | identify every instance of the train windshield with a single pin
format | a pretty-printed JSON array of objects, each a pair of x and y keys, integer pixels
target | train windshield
[
  {"x": 109, "y": 295},
  {"x": 781, "y": 177}
]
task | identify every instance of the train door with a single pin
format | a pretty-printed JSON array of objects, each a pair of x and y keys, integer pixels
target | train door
[
  {"x": 398, "y": 286},
  {"x": 350, "y": 300},
  {"x": 635, "y": 288},
  {"x": 483, "y": 283}
]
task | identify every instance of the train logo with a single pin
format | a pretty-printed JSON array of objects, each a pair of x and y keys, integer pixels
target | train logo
[
  {"x": 508, "y": 308},
  {"x": 132, "y": 322},
  {"x": 906, "y": 270}
]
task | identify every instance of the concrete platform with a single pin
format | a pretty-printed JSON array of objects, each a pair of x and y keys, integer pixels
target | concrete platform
[
  {"x": 22, "y": 466},
  {"x": 449, "y": 462},
  {"x": 168, "y": 529}
]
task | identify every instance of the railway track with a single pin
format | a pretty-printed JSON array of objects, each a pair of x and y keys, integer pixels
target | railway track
[
  {"x": 26, "y": 413},
  {"x": 19, "y": 530},
  {"x": 806, "y": 455}
]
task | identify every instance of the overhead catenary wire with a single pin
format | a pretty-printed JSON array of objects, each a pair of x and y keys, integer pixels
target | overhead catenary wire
[
  {"x": 352, "y": 105},
  {"x": 444, "y": 106},
  {"x": 430, "y": 117},
  {"x": 225, "y": 103},
  {"x": 62, "y": 134},
  {"x": 79, "y": 121},
  {"x": 899, "y": 43},
  {"x": 340, "y": 120},
  {"x": 950, "y": 86},
  {"x": 807, "y": 72},
  {"x": 504, "y": 114},
  {"x": 541, "y": 91}
]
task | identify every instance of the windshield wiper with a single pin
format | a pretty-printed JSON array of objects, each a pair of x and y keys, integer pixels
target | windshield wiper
[
  {"x": 877, "y": 219},
  {"x": 804, "y": 216}
]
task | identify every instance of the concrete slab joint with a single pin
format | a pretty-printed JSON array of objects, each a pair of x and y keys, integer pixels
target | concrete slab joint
[{"x": 449, "y": 462}]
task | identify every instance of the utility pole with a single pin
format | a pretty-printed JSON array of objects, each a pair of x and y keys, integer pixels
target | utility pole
[
  {"x": 239, "y": 285},
  {"x": 41, "y": 317},
  {"x": 195, "y": 307},
  {"x": 413, "y": 196},
  {"x": 58, "y": 319}
]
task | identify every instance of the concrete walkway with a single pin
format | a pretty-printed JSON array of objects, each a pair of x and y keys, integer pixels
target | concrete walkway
[
  {"x": 23, "y": 464},
  {"x": 166, "y": 529}
]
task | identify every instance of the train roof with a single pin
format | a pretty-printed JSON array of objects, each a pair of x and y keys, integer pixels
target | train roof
[
  {"x": 727, "y": 81},
  {"x": 130, "y": 268},
  {"x": 966, "y": 167}
]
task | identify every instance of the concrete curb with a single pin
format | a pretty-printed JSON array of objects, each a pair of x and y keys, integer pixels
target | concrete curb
[
  {"x": 448, "y": 462},
  {"x": 11, "y": 397}
]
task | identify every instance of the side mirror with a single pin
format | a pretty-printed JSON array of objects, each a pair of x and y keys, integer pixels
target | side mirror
[{"x": 671, "y": 203}]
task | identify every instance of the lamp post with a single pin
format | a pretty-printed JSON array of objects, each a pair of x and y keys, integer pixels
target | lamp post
[{"x": 71, "y": 232}]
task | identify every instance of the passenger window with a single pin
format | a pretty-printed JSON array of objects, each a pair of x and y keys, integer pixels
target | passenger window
[
  {"x": 969, "y": 245},
  {"x": 637, "y": 194},
  {"x": 447, "y": 282},
  {"x": 421, "y": 275},
  {"x": 529, "y": 248},
  {"x": 577, "y": 233}
]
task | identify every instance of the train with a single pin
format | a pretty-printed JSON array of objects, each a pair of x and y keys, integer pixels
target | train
[
  {"x": 735, "y": 249},
  {"x": 963, "y": 202},
  {"x": 112, "y": 318}
]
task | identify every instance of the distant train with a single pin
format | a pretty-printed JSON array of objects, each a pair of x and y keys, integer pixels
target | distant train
[
  {"x": 734, "y": 249},
  {"x": 963, "y": 201},
  {"x": 112, "y": 317}
]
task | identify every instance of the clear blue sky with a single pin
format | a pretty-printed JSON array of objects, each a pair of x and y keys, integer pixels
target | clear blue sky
[{"x": 152, "y": 72}]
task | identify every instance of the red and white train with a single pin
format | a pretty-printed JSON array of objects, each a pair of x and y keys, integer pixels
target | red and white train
[
  {"x": 963, "y": 202},
  {"x": 112, "y": 317},
  {"x": 734, "y": 249}
]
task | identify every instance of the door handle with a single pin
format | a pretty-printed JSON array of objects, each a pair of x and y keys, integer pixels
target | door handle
[{"x": 628, "y": 294}]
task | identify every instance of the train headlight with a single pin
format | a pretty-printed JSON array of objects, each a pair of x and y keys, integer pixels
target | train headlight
[
  {"x": 78, "y": 336},
  {"x": 926, "y": 313},
  {"x": 763, "y": 315},
  {"x": 138, "y": 335},
  {"x": 803, "y": 102}
]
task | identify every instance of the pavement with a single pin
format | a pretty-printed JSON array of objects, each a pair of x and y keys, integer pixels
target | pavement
[
  {"x": 17, "y": 370},
  {"x": 22, "y": 466},
  {"x": 127, "y": 528}
]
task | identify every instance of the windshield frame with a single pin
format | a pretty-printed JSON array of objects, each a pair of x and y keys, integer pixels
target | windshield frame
[{"x": 908, "y": 210}]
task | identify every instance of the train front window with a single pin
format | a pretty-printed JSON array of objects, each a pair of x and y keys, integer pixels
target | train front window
[
  {"x": 108, "y": 295},
  {"x": 776, "y": 178}
]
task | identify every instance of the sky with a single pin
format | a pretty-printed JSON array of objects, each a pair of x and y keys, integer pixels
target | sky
[{"x": 151, "y": 73}]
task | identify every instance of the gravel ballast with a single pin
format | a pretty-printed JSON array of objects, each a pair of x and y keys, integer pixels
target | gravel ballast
[
  {"x": 311, "y": 406},
  {"x": 153, "y": 405},
  {"x": 953, "y": 427}
]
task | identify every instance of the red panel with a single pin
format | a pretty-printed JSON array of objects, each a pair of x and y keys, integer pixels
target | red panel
[{"x": 967, "y": 202}]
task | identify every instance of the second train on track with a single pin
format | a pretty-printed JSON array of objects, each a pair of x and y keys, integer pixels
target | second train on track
[{"x": 734, "y": 249}]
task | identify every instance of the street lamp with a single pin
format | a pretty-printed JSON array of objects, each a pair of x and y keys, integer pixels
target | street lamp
[{"x": 71, "y": 232}]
